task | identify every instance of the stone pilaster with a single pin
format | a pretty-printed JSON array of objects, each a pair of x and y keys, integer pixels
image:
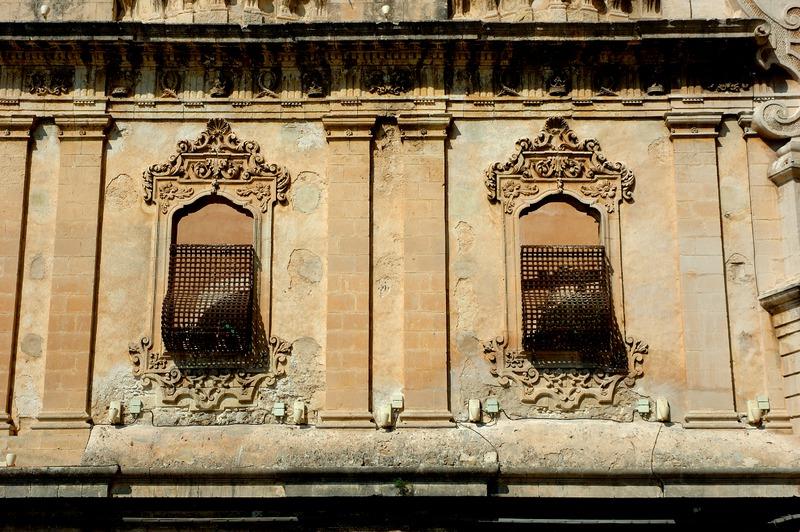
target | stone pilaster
[
  {"x": 347, "y": 365},
  {"x": 764, "y": 219},
  {"x": 784, "y": 305},
  {"x": 425, "y": 272},
  {"x": 710, "y": 400},
  {"x": 783, "y": 302},
  {"x": 14, "y": 149},
  {"x": 70, "y": 334}
]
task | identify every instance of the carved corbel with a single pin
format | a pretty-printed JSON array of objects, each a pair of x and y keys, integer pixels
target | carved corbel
[
  {"x": 347, "y": 127},
  {"x": 16, "y": 127},
  {"x": 779, "y": 36},
  {"x": 424, "y": 127},
  {"x": 83, "y": 127}
]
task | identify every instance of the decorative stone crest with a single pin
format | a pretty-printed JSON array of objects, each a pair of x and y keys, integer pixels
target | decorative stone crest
[
  {"x": 220, "y": 83},
  {"x": 217, "y": 157},
  {"x": 170, "y": 83},
  {"x": 394, "y": 81},
  {"x": 208, "y": 390},
  {"x": 267, "y": 83},
  {"x": 561, "y": 389},
  {"x": 315, "y": 82},
  {"x": 55, "y": 82},
  {"x": 559, "y": 157},
  {"x": 121, "y": 81}
]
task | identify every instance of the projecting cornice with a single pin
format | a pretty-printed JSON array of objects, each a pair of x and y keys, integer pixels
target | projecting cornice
[{"x": 22, "y": 34}]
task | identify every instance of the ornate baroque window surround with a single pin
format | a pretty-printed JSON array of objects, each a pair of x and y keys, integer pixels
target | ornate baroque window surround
[
  {"x": 216, "y": 163},
  {"x": 557, "y": 162}
]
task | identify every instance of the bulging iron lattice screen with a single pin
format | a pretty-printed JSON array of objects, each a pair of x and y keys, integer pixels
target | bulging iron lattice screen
[
  {"x": 207, "y": 318},
  {"x": 567, "y": 312}
]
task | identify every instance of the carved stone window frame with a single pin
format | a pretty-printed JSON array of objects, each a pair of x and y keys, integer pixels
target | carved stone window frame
[
  {"x": 557, "y": 163},
  {"x": 216, "y": 163}
]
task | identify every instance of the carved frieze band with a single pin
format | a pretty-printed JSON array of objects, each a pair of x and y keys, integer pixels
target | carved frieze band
[
  {"x": 217, "y": 158},
  {"x": 557, "y": 158},
  {"x": 192, "y": 72}
]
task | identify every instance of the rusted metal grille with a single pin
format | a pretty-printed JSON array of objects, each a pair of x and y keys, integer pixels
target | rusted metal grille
[
  {"x": 567, "y": 311},
  {"x": 208, "y": 309}
]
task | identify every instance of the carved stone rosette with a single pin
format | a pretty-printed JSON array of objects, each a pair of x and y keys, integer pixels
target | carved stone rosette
[
  {"x": 557, "y": 156},
  {"x": 209, "y": 390},
  {"x": 216, "y": 158},
  {"x": 562, "y": 389}
]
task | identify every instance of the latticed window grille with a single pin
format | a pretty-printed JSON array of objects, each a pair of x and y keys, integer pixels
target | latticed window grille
[
  {"x": 567, "y": 311},
  {"x": 208, "y": 308}
]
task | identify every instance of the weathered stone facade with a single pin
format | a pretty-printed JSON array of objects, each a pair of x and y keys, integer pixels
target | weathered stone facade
[{"x": 386, "y": 155}]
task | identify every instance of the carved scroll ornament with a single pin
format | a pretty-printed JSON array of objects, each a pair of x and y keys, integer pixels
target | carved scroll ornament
[
  {"x": 216, "y": 158},
  {"x": 556, "y": 156},
  {"x": 205, "y": 391},
  {"x": 779, "y": 40},
  {"x": 562, "y": 389}
]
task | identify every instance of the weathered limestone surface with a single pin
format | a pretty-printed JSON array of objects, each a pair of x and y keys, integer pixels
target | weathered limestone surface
[
  {"x": 566, "y": 462},
  {"x": 383, "y": 170}
]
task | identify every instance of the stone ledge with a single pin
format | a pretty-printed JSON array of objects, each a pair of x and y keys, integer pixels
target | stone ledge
[{"x": 542, "y": 458}]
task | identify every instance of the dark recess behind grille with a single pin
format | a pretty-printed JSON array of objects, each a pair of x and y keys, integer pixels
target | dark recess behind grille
[
  {"x": 567, "y": 312},
  {"x": 208, "y": 308}
]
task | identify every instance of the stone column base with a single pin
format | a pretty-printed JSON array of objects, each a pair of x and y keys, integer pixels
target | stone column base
[
  {"x": 338, "y": 419},
  {"x": 712, "y": 419},
  {"x": 426, "y": 419}
]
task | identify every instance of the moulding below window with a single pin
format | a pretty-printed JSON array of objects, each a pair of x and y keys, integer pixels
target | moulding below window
[
  {"x": 208, "y": 390},
  {"x": 563, "y": 389}
]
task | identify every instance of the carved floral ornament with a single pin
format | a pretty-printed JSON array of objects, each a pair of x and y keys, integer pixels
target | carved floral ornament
[
  {"x": 205, "y": 391},
  {"x": 216, "y": 161},
  {"x": 557, "y": 158},
  {"x": 562, "y": 389},
  {"x": 217, "y": 158}
]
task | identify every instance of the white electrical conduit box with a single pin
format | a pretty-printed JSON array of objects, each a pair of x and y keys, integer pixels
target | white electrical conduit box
[
  {"x": 662, "y": 410},
  {"x": 475, "y": 410},
  {"x": 299, "y": 413},
  {"x": 115, "y": 412},
  {"x": 383, "y": 416}
]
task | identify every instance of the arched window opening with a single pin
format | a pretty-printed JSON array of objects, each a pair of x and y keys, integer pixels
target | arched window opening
[
  {"x": 567, "y": 310},
  {"x": 208, "y": 310}
]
